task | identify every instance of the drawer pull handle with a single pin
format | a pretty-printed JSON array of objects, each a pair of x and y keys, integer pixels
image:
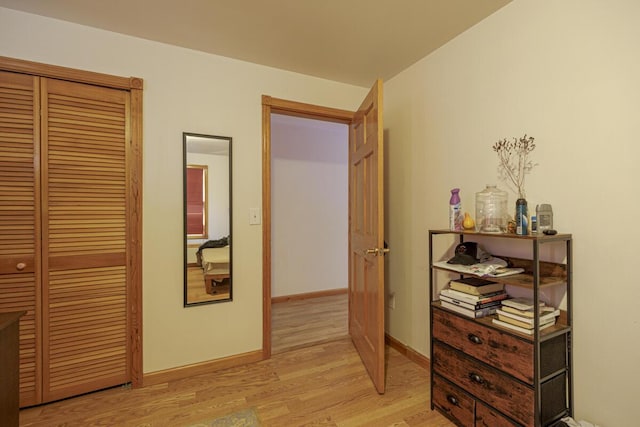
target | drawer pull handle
[
  {"x": 452, "y": 399},
  {"x": 474, "y": 339},
  {"x": 476, "y": 378},
  {"x": 21, "y": 266}
]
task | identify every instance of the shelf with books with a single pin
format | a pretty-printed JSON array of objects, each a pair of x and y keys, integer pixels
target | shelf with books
[{"x": 530, "y": 342}]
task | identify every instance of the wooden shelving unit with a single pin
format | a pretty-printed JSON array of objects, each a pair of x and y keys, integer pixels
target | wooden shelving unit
[{"x": 486, "y": 375}]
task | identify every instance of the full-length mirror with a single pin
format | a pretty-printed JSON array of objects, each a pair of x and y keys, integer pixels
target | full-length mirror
[{"x": 207, "y": 219}]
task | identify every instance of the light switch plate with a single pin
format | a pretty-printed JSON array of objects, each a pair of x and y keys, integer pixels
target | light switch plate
[{"x": 254, "y": 216}]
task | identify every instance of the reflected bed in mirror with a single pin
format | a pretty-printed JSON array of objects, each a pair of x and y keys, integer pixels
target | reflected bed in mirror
[{"x": 207, "y": 219}]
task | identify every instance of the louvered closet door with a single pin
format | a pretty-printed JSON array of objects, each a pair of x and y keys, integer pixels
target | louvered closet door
[
  {"x": 19, "y": 221},
  {"x": 85, "y": 345}
]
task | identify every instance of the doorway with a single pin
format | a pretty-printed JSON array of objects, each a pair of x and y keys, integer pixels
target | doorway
[
  {"x": 309, "y": 223},
  {"x": 285, "y": 111},
  {"x": 366, "y": 222}
]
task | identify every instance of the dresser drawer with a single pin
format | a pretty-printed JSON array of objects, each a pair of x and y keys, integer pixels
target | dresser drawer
[
  {"x": 489, "y": 417},
  {"x": 453, "y": 402},
  {"x": 493, "y": 387},
  {"x": 498, "y": 349}
]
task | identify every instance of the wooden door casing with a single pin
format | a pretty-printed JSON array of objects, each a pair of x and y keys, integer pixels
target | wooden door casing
[{"x": 366, "y": 235}]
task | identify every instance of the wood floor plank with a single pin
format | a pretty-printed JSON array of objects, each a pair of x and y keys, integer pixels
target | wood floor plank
[
  {"x": 325, "y": 384},
  {"x": 297, "y": 323},
  {"x": 321, "y": 384}
]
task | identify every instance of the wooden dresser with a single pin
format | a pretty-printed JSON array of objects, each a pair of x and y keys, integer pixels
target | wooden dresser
[
  {"x": 9, "y": 368},
  {"x": 484, "y": 375}
]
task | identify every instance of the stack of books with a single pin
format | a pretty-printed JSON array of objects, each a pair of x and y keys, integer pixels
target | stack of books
[
  {"x": 517, "y": 314},
  {"x": 473, "y": 296}
]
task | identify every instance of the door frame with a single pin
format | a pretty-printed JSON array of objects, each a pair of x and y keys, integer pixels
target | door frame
[{"x": 270, "y": 106}]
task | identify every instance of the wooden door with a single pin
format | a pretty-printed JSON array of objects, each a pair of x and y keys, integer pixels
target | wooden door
[
  {"x": 84, "y": 233},
  {"x": 20, "y": 220},
  {"x": 366, "y": 235}
]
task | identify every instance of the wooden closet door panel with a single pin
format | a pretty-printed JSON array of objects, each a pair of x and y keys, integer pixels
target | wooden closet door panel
[
  {"x": 85, "y": 324},
  {"x": 19, "y": 220}
]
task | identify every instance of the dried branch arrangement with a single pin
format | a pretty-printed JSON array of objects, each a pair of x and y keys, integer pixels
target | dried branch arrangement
[{"x": 514, "y": 162}]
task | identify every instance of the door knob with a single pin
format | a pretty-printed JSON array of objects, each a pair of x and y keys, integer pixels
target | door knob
[
  {"x": 377, "y": 251},
  {"x": 20, "y": 266}
]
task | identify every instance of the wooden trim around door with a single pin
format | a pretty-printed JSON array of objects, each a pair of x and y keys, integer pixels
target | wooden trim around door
[
  {"x": 309, "y": 295},
  {"x": 69, "y": 74},
  {"x": 134, "y": 165},
  {"x": 270, "y": 106}
]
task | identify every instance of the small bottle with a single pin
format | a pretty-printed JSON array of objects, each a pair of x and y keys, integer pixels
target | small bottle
[
  {"x": 545, "y": 217},
  {"x": 534, "y": 225},
  {"x": 455, "y": 211},
  {"x": 521, "y": 217}
]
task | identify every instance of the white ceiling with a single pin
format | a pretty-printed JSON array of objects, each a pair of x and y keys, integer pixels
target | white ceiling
[{"x": 350, "y": 41}]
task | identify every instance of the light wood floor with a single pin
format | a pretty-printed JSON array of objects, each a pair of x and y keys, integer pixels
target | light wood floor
[
  {"x": 320, "y": 385},
  {"x": 323, "y": 384},
  {"x": 298, "y": 323}
]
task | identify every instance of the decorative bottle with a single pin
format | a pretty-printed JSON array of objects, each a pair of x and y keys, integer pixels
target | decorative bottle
[
  {"x": 467, "y": 222},
  {"x": 455, "y": 211},
  {"x": 521, "y": 217}
]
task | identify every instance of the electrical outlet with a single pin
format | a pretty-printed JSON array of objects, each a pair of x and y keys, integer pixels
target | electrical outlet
[{"x": 391, "y": 302}]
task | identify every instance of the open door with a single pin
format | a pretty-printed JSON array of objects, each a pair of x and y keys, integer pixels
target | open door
[{"x": 366, "y": 235}]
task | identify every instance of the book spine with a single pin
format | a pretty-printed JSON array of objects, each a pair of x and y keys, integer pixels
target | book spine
[
  {"x": 528, "y": 320},
  {"x": 495, "y": 304},
  {"x": 513, "y": 327},
  {"x": 499, "y": 297},
  {"x": 460, "y": 296},
  {"x": 459, "y": 303},
  {"x": 464, "y": 296},
  {"x": 468, "y": 305},
  {"x": 487, "y": 311},
  {"x": 468, "y": 312},
  {"x": 464, "y": 288}
]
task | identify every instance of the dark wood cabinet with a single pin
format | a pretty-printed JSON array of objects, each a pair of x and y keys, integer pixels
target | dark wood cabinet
[
  {"x": 486, "y": 375},
  {"x": 9, "y": 368}
]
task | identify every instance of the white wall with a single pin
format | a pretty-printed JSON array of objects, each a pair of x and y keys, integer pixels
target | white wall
[
  {"x": 185, "y": 91},
  {"x": 566, "y": 72},
  {"x": 309, "y": 197}
]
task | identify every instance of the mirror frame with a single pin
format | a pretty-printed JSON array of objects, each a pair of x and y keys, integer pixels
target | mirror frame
[{"x": 185, "y": 136}]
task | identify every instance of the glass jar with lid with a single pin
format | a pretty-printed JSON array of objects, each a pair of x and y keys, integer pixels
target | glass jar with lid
[{"x": 491, "y": 210}]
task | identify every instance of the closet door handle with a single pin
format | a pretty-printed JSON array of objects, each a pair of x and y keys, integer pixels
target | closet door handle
[{"x": 21, "y": 266}]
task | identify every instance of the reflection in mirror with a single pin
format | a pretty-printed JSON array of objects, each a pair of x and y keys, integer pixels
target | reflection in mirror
[{"x": 207, "y": 219}]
